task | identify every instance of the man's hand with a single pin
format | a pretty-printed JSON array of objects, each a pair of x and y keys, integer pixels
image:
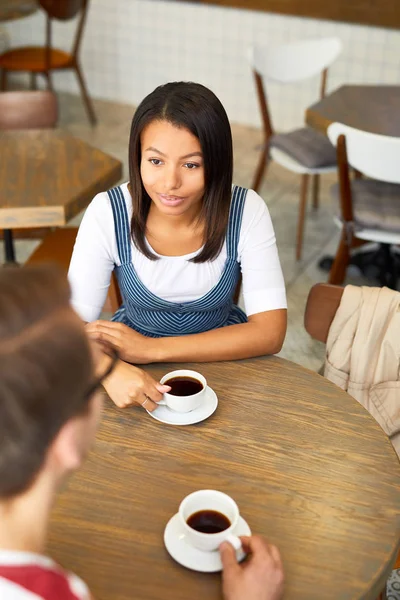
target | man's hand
[{"x": 260, "y": 577}]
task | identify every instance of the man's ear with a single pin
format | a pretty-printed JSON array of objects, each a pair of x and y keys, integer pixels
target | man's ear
[
  {"x": 74, "y": 440},
  {"x": 66, "y": 452}
]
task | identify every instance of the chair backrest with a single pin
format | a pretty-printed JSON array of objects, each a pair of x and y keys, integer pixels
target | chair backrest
[
  {"x": 63, "y": 10},
  {"x": 28, "y": 110},
  {"x": 294, "y": 61},
  {"x": 322, "y": 303},
  {"x": 376, "y": 156}
]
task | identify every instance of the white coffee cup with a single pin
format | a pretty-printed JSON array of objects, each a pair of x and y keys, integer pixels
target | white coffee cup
[
  {"x": 184, "y": 404},
  {"x": 210, "y": 500}
]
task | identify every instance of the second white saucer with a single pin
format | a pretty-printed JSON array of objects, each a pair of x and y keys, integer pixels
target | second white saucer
[
  {"x": 188, "y": 556},
  {"x": 171, "y": 417}
]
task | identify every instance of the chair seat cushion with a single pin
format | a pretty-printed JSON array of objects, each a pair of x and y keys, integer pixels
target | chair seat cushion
[
  {"x": 33, "y": 59},
  {"x": 376, "y": 204},
  {"x": 309, "y": 147}
]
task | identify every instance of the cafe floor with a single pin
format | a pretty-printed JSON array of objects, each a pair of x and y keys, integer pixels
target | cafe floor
[{"x": 280, "y": 191}]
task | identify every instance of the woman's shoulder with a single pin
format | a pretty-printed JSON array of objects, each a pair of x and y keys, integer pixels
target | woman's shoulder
[
  {"x": 253, "y": 203},
  {"x": 101, "y": 208},
  {"x": 256, "y": 220},
  {"x": 104, "y": 199}
]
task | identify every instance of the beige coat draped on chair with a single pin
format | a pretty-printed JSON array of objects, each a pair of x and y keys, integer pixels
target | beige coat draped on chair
[{"x": 363, "y": 353}]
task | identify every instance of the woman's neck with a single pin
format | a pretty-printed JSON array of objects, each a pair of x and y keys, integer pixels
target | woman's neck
[
  {"x": 24, "y": 519},
  {"x": 187, "y": 220}
]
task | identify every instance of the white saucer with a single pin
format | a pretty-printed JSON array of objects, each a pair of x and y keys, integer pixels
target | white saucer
[
  {"x": 188, "y": 556},
  {"x": 205, "y": 410}
]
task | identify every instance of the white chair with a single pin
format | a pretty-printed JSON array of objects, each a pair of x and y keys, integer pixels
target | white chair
[
  {"x": 370, "y": 208},
  {"x": 304, "y": 151}
]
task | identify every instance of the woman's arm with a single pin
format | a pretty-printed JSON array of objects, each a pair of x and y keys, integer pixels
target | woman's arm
[
  {"x": 93, "y": 259},
  {"x": 263, "y": 334}
]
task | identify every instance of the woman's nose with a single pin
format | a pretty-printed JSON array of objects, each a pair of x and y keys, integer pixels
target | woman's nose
[{"x": 172, "y": 180}]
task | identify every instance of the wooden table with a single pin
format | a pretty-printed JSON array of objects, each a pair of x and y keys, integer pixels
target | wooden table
[
  {"x": 47, "y": 177},
  {"x": 16, "y": 9},
  {"x": 374, "y": 108},
  {"x": 309, "y": 468}
]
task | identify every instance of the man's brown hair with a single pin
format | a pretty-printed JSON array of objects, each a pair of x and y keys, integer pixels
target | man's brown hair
[{"x": 45, "y": 368}]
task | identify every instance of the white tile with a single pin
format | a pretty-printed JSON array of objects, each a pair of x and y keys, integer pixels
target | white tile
[{"x": 131, "y": 46}]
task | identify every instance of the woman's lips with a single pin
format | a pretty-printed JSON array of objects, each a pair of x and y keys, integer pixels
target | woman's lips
[{"x": 170, "y": 200}]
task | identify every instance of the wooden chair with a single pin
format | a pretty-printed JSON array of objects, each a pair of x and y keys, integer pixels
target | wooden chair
[
  {"x": 322, "y": 303},
  {"x": 46, "y": 59},
  {"x": 26, "y": 110},
  {"x": 304, "y": 151},
  {"x": 369, "y": 207},
  {"x": 57, "y": 247}
]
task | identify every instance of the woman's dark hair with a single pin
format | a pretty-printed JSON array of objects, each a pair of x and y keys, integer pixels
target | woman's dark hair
[
  {"x": 195, "y": 108},
  {"x": 45, "y": 368}
]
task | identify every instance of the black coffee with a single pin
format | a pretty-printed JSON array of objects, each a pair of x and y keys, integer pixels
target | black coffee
[
  {"x": 208, "y": 521},
  {"x": 184, "y": 386}
]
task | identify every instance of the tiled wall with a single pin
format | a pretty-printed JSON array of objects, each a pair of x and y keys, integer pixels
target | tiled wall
[{"x": 131, "y": 46}]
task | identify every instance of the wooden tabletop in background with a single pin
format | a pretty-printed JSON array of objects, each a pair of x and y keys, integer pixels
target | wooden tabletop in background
[
  {"x": 374, "y": 108},
  {"x": 16, "y": 9},
  {"x": 48, "y": 176},
  {"x": 308, "y": 466}
]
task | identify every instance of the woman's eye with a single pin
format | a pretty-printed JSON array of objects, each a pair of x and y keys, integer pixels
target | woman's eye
[
  {"x": 191, "y": 166},
  {"x": 155, "y": 161}
]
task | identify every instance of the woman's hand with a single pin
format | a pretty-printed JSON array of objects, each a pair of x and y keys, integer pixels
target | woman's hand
[
  {"x": 127, "y": 385},
  {"x": 132, "y": 347}
]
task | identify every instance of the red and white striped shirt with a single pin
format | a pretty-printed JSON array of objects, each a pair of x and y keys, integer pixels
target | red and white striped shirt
[{"x": 28, "y": 576}]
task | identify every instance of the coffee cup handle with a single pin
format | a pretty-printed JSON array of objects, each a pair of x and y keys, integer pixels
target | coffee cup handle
[
  {"x": 234, "y": 541},
  {"x": 162, "y": 403}
]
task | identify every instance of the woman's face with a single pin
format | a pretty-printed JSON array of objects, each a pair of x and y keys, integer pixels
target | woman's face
[{"x": 172, "y": 168}]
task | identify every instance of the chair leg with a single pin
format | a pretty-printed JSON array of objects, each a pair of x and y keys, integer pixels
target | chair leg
[
  {"x": 302, "y": 214},
  {"x": 340, "y": 263},
  {"x": 3, "y": 82},
  {"x": 390, "y": 267},
  {"x": 382, "y": 595},
  {"x": 33, "y": 85},
  {"x": 261, "y": 168},
  {"x": 48, "y": 76},
  {"x": 86, "y": 98},
  {"x": 315, "y": 192}
]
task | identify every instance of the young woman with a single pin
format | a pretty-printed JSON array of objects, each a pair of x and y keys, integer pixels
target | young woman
[{"x": 180, "y": 237}]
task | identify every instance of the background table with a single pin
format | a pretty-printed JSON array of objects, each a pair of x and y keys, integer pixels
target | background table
[
  {"x": 48, "y": 176},
  {"x": 374, "y": 108},
  {"x": 309, "y": 468},
  {"x": 16, "y": 9}
]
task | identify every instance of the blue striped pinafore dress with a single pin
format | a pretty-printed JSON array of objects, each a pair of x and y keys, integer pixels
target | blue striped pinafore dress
[{"x": 152, "y": 316}]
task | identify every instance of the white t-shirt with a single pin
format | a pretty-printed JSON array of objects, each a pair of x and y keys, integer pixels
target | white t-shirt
[{"x": 175, "y": 278}]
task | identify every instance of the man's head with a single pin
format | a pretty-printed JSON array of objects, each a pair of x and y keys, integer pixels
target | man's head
[{"x": 47, "y": 417}]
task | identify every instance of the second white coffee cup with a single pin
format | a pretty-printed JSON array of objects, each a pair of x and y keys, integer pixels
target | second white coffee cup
[
  {"x": 210, "y": 500},
  {"x": 186, "y": 403}
]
